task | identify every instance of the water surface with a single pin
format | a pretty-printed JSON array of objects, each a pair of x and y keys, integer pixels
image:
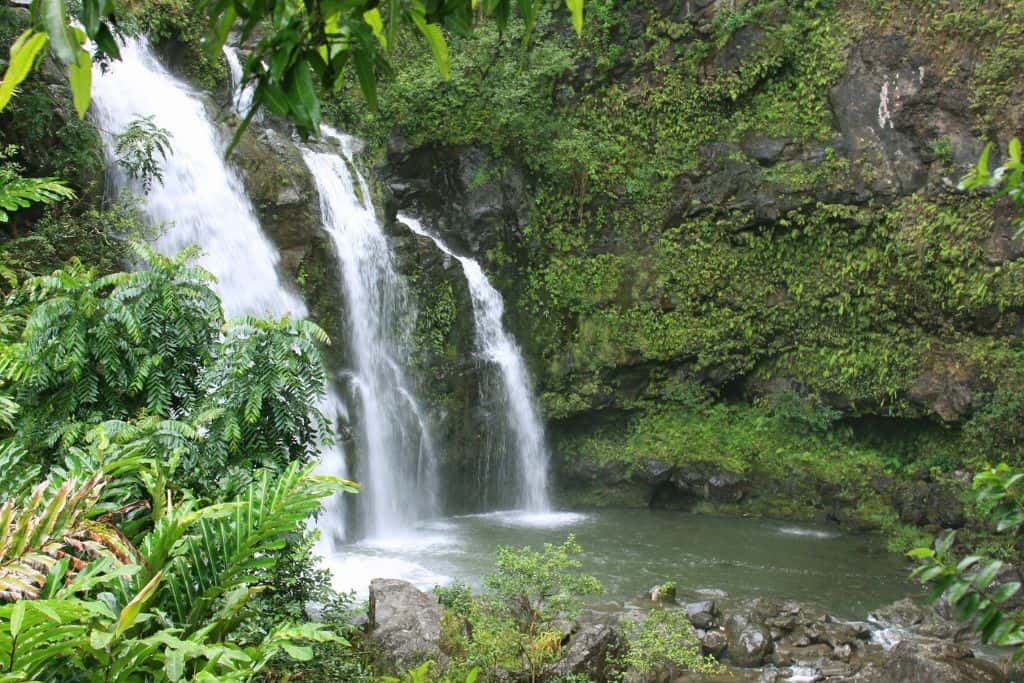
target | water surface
[{"x": 632, "y": 550}]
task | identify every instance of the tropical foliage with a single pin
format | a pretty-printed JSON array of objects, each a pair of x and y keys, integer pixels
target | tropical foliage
[
  {"x": 309, "y": 45},
  {"x": 172, "y": 454},
  {"x": 17, "y": 192},
  {"x": 974, "y": 584}
]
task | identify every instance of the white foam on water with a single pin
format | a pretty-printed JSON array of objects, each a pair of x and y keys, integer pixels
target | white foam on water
[
  {"x": 353, "y": 571},
  {"x": 538, "y": 520},
  {"x": 810, "y": 533}
]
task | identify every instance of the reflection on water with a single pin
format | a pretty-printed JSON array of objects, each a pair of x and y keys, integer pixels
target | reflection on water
[{"x": 632, "y": 550}]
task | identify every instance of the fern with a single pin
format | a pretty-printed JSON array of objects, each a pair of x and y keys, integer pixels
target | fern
[{"x": 19, "y": 193}]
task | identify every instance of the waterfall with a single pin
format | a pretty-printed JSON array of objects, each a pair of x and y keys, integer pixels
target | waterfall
[
  {"x": 241, "y": 97},
  {"x": 496, "y": 345},
  {"x": 397, "y": 462},
  {"x": 201, "y": 200}
]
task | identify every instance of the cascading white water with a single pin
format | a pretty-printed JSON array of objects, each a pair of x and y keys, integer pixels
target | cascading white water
[
  {"x": 397, "y": 461},
  {"x": 497, "y": 346},
  {"x": 241, "y": 97},
  {"x": 201, "y": 200}
]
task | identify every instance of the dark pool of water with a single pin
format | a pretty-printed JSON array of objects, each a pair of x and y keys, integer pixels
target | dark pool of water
[{"x": 632, "y": 550}]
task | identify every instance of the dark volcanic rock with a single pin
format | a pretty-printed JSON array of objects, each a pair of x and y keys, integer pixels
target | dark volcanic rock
[
  {"x": 890, "y": 107},
  {"x": 464, "y": 193},
  {"x": 750, "y": 642}
]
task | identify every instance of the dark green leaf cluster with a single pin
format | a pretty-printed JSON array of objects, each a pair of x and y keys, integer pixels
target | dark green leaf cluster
[
  {"x": 973, "y": 585},
  {"x": 78, "y": 350}
]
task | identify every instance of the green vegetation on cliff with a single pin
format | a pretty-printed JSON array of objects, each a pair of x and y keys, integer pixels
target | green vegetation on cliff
[{"x": 702, "y": 206}]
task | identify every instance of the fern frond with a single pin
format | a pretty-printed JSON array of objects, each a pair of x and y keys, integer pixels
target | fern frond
[{"x": 18, "y": 193}]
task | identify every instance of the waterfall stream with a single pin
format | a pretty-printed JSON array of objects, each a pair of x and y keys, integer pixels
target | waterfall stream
[
  {"x": 241, "y": 97},
  {"x": 201, "y": 200},
  {"x": 397, "y": 460},
  {"x": 521, "y": 418}
]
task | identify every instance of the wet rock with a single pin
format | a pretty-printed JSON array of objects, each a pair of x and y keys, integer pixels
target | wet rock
[
  {"x": 471, "y": 198},
  {"x": 947, "y": 388},
  {"x": 838, "y": 634},
  {"x": 282, "y": 191},
  {"x": 749, "y": 641},
  {"x": 714, "y": 643},
  {"x": 925, "y": 503},
  {"x": 890, "y": 107},
  {"x": 937, "y": 661},
  {"x": 764, "y": 150},
  {"x": 709, "y": 481},
  {"x": 925, "y": 620},
  {"x": 405, "y": 624},
  {"x": 588, "y": 653},
  {"x": 702, "y": 614}
]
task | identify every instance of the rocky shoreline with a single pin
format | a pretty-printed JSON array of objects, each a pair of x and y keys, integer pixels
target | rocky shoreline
[{"x": 758, "y": 639}]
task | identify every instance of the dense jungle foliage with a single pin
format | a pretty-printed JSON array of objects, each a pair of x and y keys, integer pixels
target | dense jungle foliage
[{"x": 792, "y": 327}]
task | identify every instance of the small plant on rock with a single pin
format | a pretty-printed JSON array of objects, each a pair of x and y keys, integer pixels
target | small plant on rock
[{"x": 665, "y": 639}]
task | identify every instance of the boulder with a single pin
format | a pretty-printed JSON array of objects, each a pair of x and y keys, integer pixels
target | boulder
[
  {"x": 588, "y": 654},
  {"x": 930, "y": 660},
  {"x": 702, "y": 614},
  {"x": 714, "y": 643},
  {"x": 749, "y": 642},
  {"x": 405, "y": 624}
]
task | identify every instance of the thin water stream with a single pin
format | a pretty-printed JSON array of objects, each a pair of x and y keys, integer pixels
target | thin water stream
[
  {"x": 397, "y": 460},
  {"x": 519, "y": 419}
]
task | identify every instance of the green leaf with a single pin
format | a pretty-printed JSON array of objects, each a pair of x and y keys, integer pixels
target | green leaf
[
  {"x": 965, "y": 607},
  {"x": 367, "y": 79},
  {"x": 373, "y": 18},
  {"x": 23, "y": 56},
  {"x": 1015, "y": 153},
  {"x": 174, "y": 665},
  {"x": 921, "y": 553},
  {"x": 131, "y": 611},
  {"x": 302, "y": 653},
  {"x": 435, "y": 38},
  {"x": 55, "y": 21},
  {"x": 987, "y": 574},
  {"x": 958, "y": 590},
  {"x": 576, "y": 7},
  {"x": 982, "y": 168},
  {"x": 1006, "y": 591},
  {"x": 17, "y": 617},
  {"x": 80, "y": 77},
  {"x": 968, "y": 562}
]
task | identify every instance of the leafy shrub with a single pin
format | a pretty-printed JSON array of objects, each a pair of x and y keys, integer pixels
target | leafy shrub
[{"x": 665, "y": 639}]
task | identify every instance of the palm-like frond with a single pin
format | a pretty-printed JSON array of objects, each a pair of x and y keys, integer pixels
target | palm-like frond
[
  {"x": 18, "y": 193},
  {"x": 48, "y": 527},
  {"x": 227, "y": 552}
]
